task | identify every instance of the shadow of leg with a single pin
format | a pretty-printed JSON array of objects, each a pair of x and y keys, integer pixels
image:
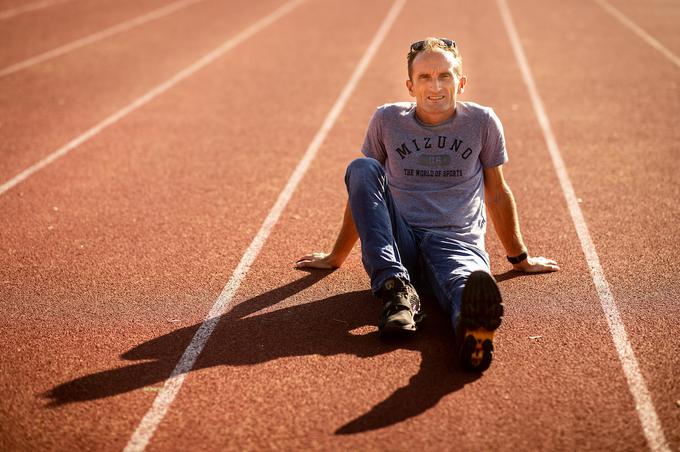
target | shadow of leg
[
  {"x": 436, "y": 378},
  {"x": 109, "y": 383},
  {"x": 165, "y": 351}
]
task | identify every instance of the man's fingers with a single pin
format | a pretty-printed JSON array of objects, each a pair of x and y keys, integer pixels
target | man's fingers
[
  {"x": 313, "y": 260},
  {"x": 312, "y": 257},
  {"x": 542, "y": 268},
  {"x": 314, "y": 264},
  {"x": 542, "y": 264},
  {"x": 548, "y": 263},
  {"x": 307, "y": 264},
  {"x": 306, "y": 257},
  {"x": 538, "y": 265},
  {"x": 548, "y": 268}
]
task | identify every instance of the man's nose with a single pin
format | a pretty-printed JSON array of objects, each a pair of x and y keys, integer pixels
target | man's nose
[{"x": 436, "y": 83}]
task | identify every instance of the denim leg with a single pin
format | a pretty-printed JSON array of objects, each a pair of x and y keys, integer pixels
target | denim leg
[
  {"x": 388, "y": 246},
  {"x": 448, "y": 263}
]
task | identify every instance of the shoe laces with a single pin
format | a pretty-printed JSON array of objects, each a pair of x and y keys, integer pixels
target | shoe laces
[{"x": 396, "y": 293}]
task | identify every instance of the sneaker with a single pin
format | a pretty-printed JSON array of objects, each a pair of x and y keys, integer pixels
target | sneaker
[
  {"x": 401, "y": 309},
  {"x": 481, "y": 312}
]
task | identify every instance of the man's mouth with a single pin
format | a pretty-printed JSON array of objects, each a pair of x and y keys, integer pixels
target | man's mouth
[{"x": 435, "y": 98}]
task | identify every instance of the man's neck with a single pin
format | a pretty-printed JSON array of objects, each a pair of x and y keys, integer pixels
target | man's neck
[{"x": 433, "y": 120}]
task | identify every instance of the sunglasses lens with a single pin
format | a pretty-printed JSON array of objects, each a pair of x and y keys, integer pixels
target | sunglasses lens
[{"x": 418, "y": 46}]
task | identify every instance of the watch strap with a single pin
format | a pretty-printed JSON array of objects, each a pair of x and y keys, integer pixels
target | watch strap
[{"x": 517, "y": 259}]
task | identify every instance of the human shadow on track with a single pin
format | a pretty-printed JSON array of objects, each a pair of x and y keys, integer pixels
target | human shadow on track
[
  {"x": 245, "y": 337},
  {"x": 165, "y": 352},
  {"x": 510, "y": 274},
  {"x": 437, "y": 377}
]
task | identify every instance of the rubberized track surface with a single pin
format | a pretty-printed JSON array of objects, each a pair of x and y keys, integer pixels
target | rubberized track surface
[{"x": 112, "y": 255}]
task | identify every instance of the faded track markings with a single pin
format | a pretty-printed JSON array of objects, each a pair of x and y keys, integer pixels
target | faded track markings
[
  {"x": 123, "y": 26},
  {"x": 150, "y": 95},
  {"x": 8, "y": 13},
  {"x": 618, "y": 15}
]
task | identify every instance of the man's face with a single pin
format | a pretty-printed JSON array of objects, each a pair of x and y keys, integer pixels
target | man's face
[{"x": 435, "y": 85}]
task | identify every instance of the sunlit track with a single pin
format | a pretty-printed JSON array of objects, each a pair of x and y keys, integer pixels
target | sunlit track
[
  {"x": 642, "y": 34},
  {"x": 117, "y": 116},
  {"x": 87, "y": 40},
  {"x": 638, "y": 388},
  {"x": 150, "y": 299},
  {"x": 8, "y": 13},
  {"x": 154, "y": 416}
]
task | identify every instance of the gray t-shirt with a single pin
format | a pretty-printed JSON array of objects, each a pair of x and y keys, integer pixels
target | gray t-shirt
[{"x": 435, "y": 173}]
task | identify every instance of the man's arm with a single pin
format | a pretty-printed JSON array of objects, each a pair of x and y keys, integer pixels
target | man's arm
[
  {"x": 503, "y": 211},
  {"x": 344, "y": 243}
]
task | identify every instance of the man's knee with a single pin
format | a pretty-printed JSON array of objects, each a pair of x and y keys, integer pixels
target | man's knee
[{"x": 363, "y": 168}]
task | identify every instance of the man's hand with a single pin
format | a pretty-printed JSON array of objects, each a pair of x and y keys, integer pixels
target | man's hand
[
  {"x": 536, "y": 265},
  {"x": 318, "y": 260}
]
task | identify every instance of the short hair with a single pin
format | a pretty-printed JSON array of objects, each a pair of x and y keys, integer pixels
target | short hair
[{"x": 431, "y": 45}]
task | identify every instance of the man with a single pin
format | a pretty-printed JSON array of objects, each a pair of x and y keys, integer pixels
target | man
[{"x": 417, "y": 202}]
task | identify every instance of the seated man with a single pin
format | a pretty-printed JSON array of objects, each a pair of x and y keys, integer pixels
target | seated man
[{"x": 417, "y": 202}]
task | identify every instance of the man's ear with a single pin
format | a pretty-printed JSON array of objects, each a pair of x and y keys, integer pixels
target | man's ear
[
  {"x": 461, "y": 84},
  {"x": 409, "y": 86}
]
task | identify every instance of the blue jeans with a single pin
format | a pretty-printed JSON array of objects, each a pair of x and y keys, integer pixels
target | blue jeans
[{"x": 390, "y": 247}]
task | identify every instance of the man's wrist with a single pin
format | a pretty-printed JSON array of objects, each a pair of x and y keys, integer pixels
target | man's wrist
[{"x": 521, "y": 257}]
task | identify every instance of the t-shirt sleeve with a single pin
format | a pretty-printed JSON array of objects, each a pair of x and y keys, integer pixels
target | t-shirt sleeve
[
  {"x": 493, "y": 148},
  {"x": 373, "y": 146}
]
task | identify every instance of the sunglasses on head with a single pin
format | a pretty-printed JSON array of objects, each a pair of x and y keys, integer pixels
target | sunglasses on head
[{"x": 419, "y": 45}]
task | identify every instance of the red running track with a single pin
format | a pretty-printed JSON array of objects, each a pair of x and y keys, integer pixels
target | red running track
[{"x": 112, "y": 256}]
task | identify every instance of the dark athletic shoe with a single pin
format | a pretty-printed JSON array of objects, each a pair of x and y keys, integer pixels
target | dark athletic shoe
[
  {"x": 481, "y": 312},
  {"x": 401, "y": 309}
]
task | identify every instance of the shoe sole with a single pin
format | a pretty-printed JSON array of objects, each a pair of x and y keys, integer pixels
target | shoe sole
[{"x": 480, "y": 316}]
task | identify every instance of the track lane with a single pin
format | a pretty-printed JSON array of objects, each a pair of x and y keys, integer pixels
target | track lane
[
  {"x": 157, "y": 230},
  {"x": 12, "y": 8},
  {"x": 285, "y": 349},
  {"x": 98, "y": 35},
  {"x": 52, "y": 103},
  {"x": 28, "y": 35},
  {"x": 270, "y": 372},
  {"x": 171, "y": 387},
  {"x": 657, "y": 18},
  {"x": 619, "y": 151}
]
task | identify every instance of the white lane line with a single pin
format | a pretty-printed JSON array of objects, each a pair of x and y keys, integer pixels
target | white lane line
[
  {"x": 164, "y": 399},
  {"x": 98, "y": 36},
  {"x": 6, "y": 14},
  {"x": 158, "y": 90},
  {"x": 643, "y": 402},
  {"x": 639, "y": 31}
]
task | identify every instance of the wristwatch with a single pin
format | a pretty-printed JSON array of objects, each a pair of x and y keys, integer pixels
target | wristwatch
[{"x": 517, "y": 259}]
